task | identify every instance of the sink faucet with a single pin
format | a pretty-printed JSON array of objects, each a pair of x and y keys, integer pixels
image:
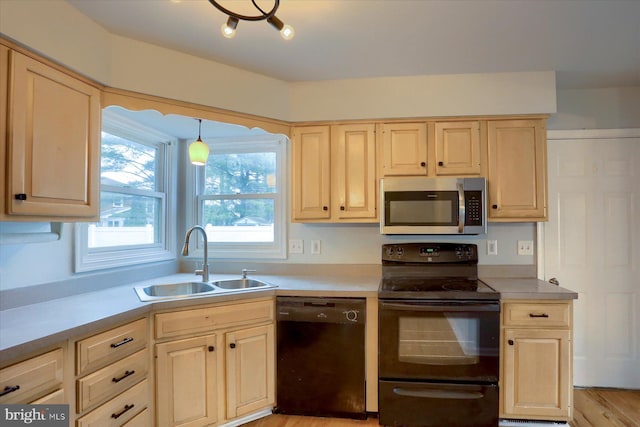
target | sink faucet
[
  {"x": 185, "y": 251},
  {"x": 245, "y": 271}
]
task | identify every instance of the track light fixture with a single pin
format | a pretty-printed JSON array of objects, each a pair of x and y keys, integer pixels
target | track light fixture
[
  {"x": 198, "y": 150},
  {"x": 229, "y": 28}
]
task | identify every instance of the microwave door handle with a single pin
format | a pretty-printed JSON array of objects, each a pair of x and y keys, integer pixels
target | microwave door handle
[{"x": 461, "y": 207}]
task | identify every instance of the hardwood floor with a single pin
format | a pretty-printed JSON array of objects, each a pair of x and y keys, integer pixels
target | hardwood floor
[{"x": 594, "y": 407}]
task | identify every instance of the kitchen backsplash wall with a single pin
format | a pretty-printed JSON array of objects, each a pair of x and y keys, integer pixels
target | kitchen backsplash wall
[{"x": 23, "y": 265}]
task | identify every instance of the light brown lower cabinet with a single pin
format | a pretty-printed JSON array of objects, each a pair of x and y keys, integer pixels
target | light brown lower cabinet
[
  {"x": 186, "y": 382},
  {"x": 214, "y": 363},
  {"x": 39, "y": 377},
  {"x": 536, "y": 361},
  {"x": 112, "y": 389},
  {"x": 250, "y": 372}
]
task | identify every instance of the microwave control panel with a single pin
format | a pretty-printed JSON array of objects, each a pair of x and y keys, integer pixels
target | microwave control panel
[{"x": 473, "y": 208}]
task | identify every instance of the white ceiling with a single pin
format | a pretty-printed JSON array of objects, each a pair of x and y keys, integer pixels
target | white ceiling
[{"x": 589, "y": 43}]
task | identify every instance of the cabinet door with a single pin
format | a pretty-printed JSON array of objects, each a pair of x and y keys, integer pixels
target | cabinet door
[
  {"x": 536, "y": 381},
  {"x": 353, "y": 164},
  {"x": 53, "y": 154},
  {"x": 311, "y": 183},
  {"x": 404, "y": 149},
  {"x": 250, "y": 370},
  {"x": 186, "y": 382},
  {"x": 517, "y": 170},
  {"x": 457, "y": 146}
]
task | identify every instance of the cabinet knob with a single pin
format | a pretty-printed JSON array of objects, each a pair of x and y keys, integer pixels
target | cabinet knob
[
  {"x": 324, "y": 208},
  {"x": 341, "y": 208},
  {"x": 21, "y": 196},
  {"x": 232, "y": 345},
  {"x": 423, "y": 164},
  {"x": 494, "y": 206},
  {"x": 440, "y": 163},
  {"x": 510, "y": 342},
  {"x": 211, "y": 348}
]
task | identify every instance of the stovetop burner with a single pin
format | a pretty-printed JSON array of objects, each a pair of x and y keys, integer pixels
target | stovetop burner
[
  {"x": 415, "y": 284},
  {"x": 432, "y": 271}
]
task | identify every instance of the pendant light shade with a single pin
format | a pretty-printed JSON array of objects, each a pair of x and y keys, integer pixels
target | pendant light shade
[{"x": 198, "y": 150}]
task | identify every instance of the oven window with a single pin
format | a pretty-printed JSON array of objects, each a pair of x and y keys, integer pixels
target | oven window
[{"x": 439, "y": 339}]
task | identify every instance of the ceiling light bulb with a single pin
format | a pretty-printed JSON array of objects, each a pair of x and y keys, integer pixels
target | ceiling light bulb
[
  {"x": 287, "y": 32},
  {"x": 228, "y": 29}
]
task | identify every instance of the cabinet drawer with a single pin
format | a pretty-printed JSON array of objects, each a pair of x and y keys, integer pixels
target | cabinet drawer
[
  {"x": 537, "y": 314},
  {"x": 31, "y": 379},
  {"x": 55, "y": 398},
  {"x": 111, "y": 380},
  {"x": 119, "y": 410},
  {"x": 114, "y": 344},
  {"x": 143, "y": 419},
  {"x": 207, "y": 319}
]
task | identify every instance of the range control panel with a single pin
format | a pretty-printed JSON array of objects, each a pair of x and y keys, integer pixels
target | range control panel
[{"x": 429, "y": 253}]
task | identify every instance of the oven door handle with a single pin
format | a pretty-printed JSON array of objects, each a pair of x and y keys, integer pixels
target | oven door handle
[
  {"x": 438, "y": 394},
  {"x": 448, "y": 307}
]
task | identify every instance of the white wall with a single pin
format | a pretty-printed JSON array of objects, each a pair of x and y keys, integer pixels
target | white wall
[
  {"x": 360, "y": 243},
  {"x": 425, "y": 96}
]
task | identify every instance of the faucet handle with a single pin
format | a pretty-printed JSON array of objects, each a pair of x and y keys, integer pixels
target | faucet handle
[{"x": 245, "y": 271}]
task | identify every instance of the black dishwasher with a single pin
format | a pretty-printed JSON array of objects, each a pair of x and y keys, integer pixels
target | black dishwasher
[{"x": 320, "y": 350}]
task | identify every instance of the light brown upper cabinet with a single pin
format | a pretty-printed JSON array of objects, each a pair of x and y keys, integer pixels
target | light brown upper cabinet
[
  {"x": 404, "y": 149},
  {"x": 517, "y": 170},
  {"x": 53, "y": 144},
  {"x": 457, "y": 148},
  {"x": 334, "y": 173}
]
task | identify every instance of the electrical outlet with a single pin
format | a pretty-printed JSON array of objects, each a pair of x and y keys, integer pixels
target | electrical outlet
[
  {"x": 492, "y": 247},
  {"x": 296, "y": 246},
  {"x": 315, "y": 247},
  {"x": 525, "y": 247}
]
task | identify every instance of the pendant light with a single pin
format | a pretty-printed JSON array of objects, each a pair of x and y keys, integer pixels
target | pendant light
[{"x": 198, "y": 150}]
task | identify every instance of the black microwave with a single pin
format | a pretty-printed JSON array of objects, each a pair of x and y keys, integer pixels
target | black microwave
[{"x": 420, "y": 205}]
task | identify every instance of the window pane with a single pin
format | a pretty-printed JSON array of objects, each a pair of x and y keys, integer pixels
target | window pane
[
  {"x": 241, "y": 173},
  {"x": 127, "y": 163},
  {"x": 239, "y": 220},
  {"x": 126, "y": 220}
]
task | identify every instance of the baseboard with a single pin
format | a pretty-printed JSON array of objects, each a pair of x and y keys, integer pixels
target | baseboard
[
  {"x": 251, "y": 417},
  {"x": 531, "y": 423}
]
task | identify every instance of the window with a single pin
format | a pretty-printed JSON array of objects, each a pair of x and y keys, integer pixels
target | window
[
  {"x": 134, "y": 199},
  {"x": 241, "y": 198}
]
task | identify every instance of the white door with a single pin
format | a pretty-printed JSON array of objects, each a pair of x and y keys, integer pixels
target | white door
[{"x": 592, "y": 246}]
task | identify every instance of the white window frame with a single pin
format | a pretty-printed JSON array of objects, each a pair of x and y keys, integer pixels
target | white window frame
[
  {"x": 244, "y": 251},
  {"x": 91, "y": 259}
]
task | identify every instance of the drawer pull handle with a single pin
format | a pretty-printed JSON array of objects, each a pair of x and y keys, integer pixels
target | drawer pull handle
[
  {"x": 123, "y": 342},
  {"x": 21, "y": 196},
  {"x": 9, "y": 389},
  {"x": 126, "y": 374},
  {"x": 119, "y": 414},
  {"x": 544, "y": 315}
]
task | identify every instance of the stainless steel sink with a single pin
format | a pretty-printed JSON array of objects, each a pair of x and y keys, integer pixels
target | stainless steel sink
[
  {"x": 173, "y": 291},
  {"x": 240, "y": 284}
]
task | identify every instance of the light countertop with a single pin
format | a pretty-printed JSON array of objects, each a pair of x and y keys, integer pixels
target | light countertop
[{"x": 27, "y": 328}]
